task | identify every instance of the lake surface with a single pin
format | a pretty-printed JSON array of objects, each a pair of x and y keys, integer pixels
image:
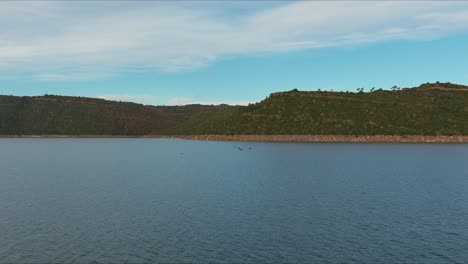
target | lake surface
[{"x": 176, "y": 201}]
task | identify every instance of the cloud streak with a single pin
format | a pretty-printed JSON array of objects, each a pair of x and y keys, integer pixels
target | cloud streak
[
  {"x": 142, "y": 99},
  {"x": 70, "y": 41},
  {"x": 195, "y": 100}
]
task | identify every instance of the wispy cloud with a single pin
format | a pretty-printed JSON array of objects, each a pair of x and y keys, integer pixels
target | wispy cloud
[
  {"x": 71, "y": 76},
  {"x": 63, "y": 41},
  {"x": 195, "y": 100},
  {"x": 142, "y": 99}
]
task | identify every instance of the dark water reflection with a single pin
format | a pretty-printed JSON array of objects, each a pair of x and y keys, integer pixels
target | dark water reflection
[{"x": 175, "y": 201}]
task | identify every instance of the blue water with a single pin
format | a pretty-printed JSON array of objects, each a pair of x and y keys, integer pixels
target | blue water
[{"x": 176, "y": 201}]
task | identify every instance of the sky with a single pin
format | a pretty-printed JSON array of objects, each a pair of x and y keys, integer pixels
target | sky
[{"x": 176, "y": 52}]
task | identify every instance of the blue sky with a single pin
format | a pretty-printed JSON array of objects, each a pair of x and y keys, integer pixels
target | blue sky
[{"x": 227, "y": 52}]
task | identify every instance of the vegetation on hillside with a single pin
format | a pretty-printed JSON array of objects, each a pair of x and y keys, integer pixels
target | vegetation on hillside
[
  {"x": 59, "y": 115},
  {"x": 429, "y": 109},
  {"x": 416, "y": 111}
]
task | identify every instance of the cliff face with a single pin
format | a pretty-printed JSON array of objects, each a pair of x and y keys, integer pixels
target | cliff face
[{"x": 430, "y": 109}]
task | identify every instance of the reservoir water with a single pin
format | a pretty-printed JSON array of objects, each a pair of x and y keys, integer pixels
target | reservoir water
[{"x": 178, "y": 201}]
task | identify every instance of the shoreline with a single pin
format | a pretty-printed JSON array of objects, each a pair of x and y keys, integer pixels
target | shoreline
[
  {"x": 333, "y": 138},
  {"x": 281, "y": 138}
]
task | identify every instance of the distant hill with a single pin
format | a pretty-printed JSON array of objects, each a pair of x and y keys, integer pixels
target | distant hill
[
  {"x": 60, "y": 115},
  {"x": 430, "y": 109}
]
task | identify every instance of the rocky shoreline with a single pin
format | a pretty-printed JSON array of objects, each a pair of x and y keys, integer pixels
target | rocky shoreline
[
  {"x": 332, "y": 138},
  {"x": 282, "y": 138}
]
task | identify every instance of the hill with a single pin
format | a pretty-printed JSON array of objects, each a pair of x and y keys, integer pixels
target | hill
[
  {"x": 60, "y": 115},
  {"x": 429, "y": 109}
]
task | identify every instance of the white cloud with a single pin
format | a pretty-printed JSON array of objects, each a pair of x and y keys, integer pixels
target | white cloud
[
  {"x": 63, "y": 41},
  {"x": 194, "y": 100},
  {"x": 142, "y": 99}
]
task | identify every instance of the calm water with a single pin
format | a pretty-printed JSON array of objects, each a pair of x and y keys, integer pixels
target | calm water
[{"x": 175, "y": 201}]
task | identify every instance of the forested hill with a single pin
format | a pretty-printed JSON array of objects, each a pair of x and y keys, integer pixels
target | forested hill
[
  {"x": 430, "y": 109},
  {"x": 60, "y": 115}
]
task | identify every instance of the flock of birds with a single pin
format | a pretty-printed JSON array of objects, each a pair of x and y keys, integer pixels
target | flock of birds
[
  {"x": 239, "y": 148},
  {"x": 235, "y": 147}
]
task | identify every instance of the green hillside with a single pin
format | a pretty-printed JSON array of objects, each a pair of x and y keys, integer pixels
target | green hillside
[
  {"x": 430, "y": 109},
  {"x": 59, "y": 115}
]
